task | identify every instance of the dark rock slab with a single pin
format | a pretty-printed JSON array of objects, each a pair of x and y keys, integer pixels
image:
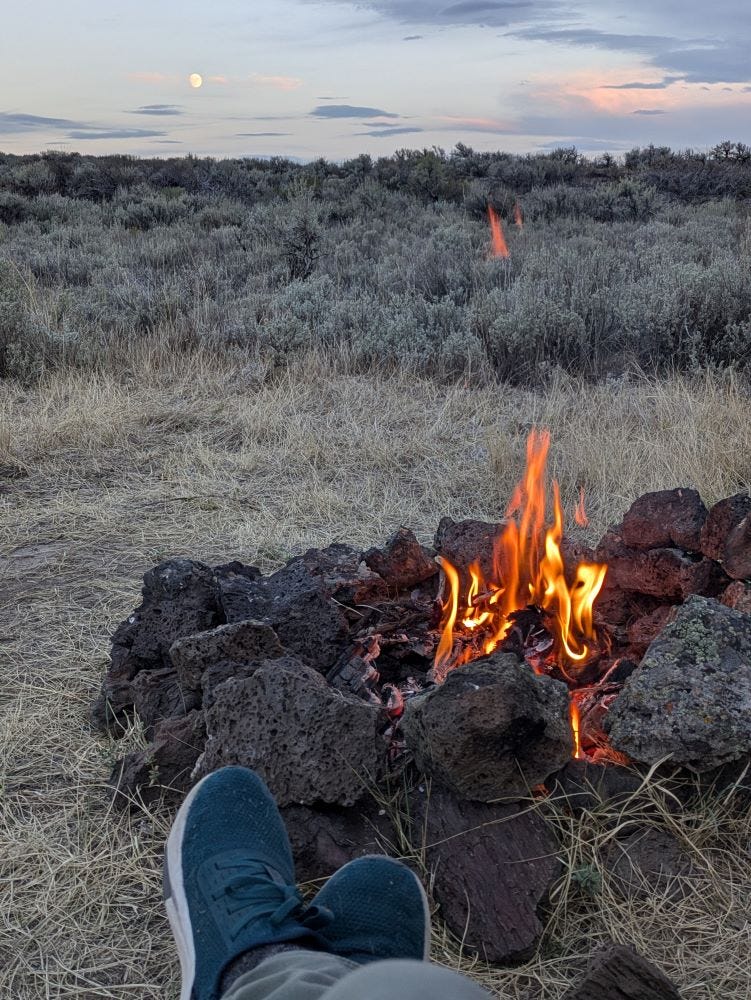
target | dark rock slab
[
  {"x": 492, "y": 867},
  {"x": 650, "y": 861},
  {"x": 309, "y": 743},
  {"x": 179, "y": 598},
  {"x": 164, "y": 770},
  {"x": 159, "y": 695},
  {"x": 239, "y": 642},
  {"x": 691, "y": 696},
  {"x": 584, "y": 785},
  {"x": 344, "y": 574},
  {"x": 619, "y": 973},
  {"x": 493, "y": 729},
  {"x": 666, "y": 573},
  {"x": 402, "y": 562},
  {"x": 721, "y": 520},
  {"x": 295, "y": 603},
  {"x": 325, "y": 839},
  {"x": 666, "y": 519},
  {"x": 465, "y": 542}
]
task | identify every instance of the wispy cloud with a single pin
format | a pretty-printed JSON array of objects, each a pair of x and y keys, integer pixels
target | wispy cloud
[
  {"x": 411, "y": 38},
  {"x": 349, "y": 111},
  {"x": 221, "y": 80},
  {"x": 11, "y": 123},
  {"x": 490, "y": 13},
  {"x": 152, "y": 77},
  {"x": 277, "y": 82},
  {"x": 657, "y": 85},
  {"x": 114, "y": 133},
  {"x": 649, "y": 111},
  {"x": 384, "y": 133},
  {"x": 469, "y": 124},
  {"x": 158, "y": 109},
  {"x": 258, "y": 135}
]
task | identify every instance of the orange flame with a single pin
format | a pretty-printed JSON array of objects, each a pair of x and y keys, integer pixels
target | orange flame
[
  {"x": 528, "y": 568},
  {"x": 518, "y": 220},
  {"x": 573, "y": 711},
  {"x": 499, "y": 247},
  {"x": 580, "y": 515}
]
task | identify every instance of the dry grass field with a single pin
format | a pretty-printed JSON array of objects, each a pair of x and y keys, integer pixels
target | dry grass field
[{"x": 103, "y": 476}]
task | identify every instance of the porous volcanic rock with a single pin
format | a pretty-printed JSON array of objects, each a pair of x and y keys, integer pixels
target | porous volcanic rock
[
  {"x": 493, "y": 729},
  {"x": 308, "y": 742},
  {"x": 158, "y": 695},
  {"x": 737, "y": 555},
  {"x": 585, "y": 784},
  {"x": 295, "y": 603},
  {"x": 324, "y": 839},
  {"x": 402, "y": 562},
  {"x": 667, "y": 573},
  {"x": 238, "y": 643},
  {"x": 164, "y": 770},
  {"x": 645, "y": 630},
  {"x": 344, "y": 574},
  {"x": 721, "y": 520},
  {"x": 649, "y": 861},
  {"x": 666, "y": 519},
  {"x": 179, "y": 598},
  {"x": 691, "y": 696},
  {"x": 619, "y": 973},
  {"x": 492, "y": 866},
  {"x": 465, "y": 542},
  {"x": 737, "y": 595}
]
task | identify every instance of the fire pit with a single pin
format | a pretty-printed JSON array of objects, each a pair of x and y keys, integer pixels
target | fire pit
[{"x": 478, "y": 674}]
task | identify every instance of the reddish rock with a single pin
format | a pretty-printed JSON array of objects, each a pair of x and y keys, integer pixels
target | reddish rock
[
  {"x": 666, "y": 519},
  {"x": 721, "y": 520},
  {"x": 665, "y": 573},
  {"x": 402, "y": 562},
  {"x": 648, "y": 627},
  {"x": 738, "y": 596},
  {"x": 737, "y": 556},
  {"x": 465, "y": 542}
]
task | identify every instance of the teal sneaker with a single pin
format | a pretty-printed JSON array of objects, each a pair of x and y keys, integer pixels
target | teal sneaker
[
  {"x": 229, "y": 881},
  {"x": 376, "y": 908}
]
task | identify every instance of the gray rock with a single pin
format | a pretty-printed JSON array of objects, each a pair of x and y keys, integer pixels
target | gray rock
[
  {"x": 309, "y": 743},
  {"x": 666, "y": 519},
  {"x": 619, "y": 973},
  {"x": 650, "y": 861},
  {"x": 691, "y": 696},
  {"x": 465, "y": 542},
  {"x": 493, "y": 729},
  {"x": 240, "y": 642},
  {"x": 158, "y": 695}
]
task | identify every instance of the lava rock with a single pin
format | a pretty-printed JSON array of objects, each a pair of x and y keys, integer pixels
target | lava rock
[
  {"x": 179, "y": 598},
  {"x": 492, "y": 867},
  {"x": 619, "y": 973},
  {"x": 295, "y": 603},
  {"x": 465, "y": 542},
  {"x": 618, "y": 607},
  {"x": 324, "y": 839},
  {"x": 402, "y": 562},
  {"x": 158, "y": 695},
  {"x": 584, "y": 785},
  {"x": 309, "y": 743},
  {"x": 721, "y": 520},
  {"x": 691, "y": 696},
  {"x": 649, "y": 861},
  {"x": 737, "y": 595},
  {"x": 645, "y": 629},
  {"x": 666, "y": 573},
  {"x": 240, "y": 642},
  {"x": 164, "y": 770},
  {"x": 666, "y": 519},
  {"x": 492, "y": 729},
  {"x": 344, "y": 574},
  {"x": 736, "y": 558}
]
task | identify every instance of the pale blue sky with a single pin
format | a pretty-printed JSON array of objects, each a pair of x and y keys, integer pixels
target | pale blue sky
[{"x": 308, "y": 78}]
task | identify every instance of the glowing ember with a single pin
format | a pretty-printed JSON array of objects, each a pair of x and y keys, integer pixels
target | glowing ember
[
  {"x": 528, "y": 570},
  {"x": 518, "y": 221},
  {"x": 499, "y": 247}
]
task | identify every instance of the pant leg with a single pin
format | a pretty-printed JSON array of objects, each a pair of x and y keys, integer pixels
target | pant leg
[{"x": 312, "y": 975}]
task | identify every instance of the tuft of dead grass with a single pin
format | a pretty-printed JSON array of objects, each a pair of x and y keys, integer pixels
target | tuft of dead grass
[{"x": 195, "y": 456}]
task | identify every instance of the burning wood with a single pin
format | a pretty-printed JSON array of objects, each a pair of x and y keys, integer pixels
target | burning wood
[{"x": 499, "y": 247}]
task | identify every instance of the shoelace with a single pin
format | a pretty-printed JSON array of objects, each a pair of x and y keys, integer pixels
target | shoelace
[{"x": 265, "y": 895}]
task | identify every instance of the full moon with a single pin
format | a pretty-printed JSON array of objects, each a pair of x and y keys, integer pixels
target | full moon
[{"x": 195, "y": 80}]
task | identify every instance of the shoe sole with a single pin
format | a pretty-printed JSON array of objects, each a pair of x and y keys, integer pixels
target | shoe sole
[{"x": 175, "y": 900}]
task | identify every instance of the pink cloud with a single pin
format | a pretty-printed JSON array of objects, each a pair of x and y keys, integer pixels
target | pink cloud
[
  {"x": 152, "y": 77},
  {"x": 222, "y": 80},
  {"x": 277, "y": 82}
]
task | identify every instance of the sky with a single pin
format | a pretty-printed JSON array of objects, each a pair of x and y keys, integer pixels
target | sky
[{"x": 335, "y": 78}]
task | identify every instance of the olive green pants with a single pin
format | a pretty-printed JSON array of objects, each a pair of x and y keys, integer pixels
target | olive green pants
[{"x": 314, "y": 975}]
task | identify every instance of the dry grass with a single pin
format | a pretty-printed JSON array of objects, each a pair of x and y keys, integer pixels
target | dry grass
[{"x": 192, "y": 456}]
